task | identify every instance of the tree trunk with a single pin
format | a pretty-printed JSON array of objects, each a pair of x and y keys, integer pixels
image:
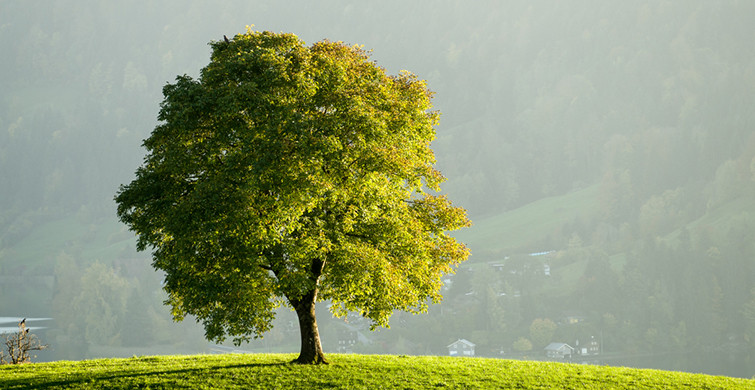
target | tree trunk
[{"x": 311, "y": 348}]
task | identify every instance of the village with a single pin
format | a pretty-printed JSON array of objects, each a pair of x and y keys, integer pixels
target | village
[{"x": 507, "y": 282}]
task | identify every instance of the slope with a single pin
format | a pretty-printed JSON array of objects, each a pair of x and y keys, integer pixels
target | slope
[{"x": 346, "y": 371}]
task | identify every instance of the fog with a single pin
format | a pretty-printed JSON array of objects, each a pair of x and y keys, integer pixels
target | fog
[{"x": 605, "y": 152}]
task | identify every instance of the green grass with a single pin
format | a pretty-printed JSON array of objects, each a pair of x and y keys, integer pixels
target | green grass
[
  {"x": 101, "y": 241},
  {"x": 272, "y": 371},
  {"x": 514, "y": 230},
  {"x": 718, "y": 218}
]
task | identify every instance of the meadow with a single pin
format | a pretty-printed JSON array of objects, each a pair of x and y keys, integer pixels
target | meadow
[{"x": 273, "y": 371}]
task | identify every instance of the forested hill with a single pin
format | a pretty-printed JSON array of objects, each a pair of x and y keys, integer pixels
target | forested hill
[
  {"x": 643, "y": 107},
  {"x": 538, "y": 98}
]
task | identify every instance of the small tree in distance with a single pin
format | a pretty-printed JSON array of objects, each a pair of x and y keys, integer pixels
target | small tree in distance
[
  {"x": 289, "y": 174},
  {"x": 20, "y": 344}
]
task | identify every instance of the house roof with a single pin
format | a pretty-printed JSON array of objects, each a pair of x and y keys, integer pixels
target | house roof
[
  {"x": 463, "y": 341},
  {"x": 558, "y": 347}
]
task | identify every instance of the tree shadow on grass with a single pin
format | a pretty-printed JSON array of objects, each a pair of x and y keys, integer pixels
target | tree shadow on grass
[{"x": 123, "y": 379}]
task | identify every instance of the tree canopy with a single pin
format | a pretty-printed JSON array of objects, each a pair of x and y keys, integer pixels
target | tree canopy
[{"x": 292, "y": 174}]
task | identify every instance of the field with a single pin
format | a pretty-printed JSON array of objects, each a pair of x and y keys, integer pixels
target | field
[
  {"x": 516, "y": 231},
  {"x": 273, "y": 371}
]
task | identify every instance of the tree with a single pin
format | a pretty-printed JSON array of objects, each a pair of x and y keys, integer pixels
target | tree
[
  {"x": 289, "y": 174},
  {"x": 522, "y": 345},
  {"x": 748, "y": 312},
  {"x": 100, "y": 305},
  {"x": 541, "y": 331},
  {"x": 19, "y": 345}
]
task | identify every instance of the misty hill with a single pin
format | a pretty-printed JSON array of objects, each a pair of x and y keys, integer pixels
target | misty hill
[{"x": 618, "y": 136}]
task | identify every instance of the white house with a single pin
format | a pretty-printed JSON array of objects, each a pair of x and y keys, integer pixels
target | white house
[
  {"x": 559, "y": 350},
  {"x": 461, "y": 347}
]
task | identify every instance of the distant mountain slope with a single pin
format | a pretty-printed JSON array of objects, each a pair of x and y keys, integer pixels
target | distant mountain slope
[{"x": 522, "y": 229}]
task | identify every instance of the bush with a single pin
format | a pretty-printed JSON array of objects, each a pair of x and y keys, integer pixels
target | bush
[{"x": 20, "y": 344}]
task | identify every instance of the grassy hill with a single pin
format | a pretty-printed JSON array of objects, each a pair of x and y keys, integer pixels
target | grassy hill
[
  {"x": 43, "y": 239},
  {"x": 273, "y": 371},
  {"x": 518, "y": 229}
]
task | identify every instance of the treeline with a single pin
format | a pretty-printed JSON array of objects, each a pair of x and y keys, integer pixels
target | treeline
[
  {"x": 643, "y": 289},
  {"x": 654, "y": 96},
  {"x": 645, "y": 96},
  {"x": 113, "y": 309}
]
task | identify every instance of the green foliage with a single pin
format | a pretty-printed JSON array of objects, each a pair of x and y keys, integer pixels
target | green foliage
[
  {"x": 88, "y": 306},
  {"x": 100, "y": 304},
  {"x": 260, "y": 371},
  {"x": 293, "y": 173},
  {"x": 522, "y": 345},
  {"x": 541, "y": 331}
]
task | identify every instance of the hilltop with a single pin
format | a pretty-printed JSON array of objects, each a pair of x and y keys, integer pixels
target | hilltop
[{"x": 272, "y": 371}]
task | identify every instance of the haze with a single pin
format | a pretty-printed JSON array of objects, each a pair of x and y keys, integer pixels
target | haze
[{"x": 604, "y": 150}]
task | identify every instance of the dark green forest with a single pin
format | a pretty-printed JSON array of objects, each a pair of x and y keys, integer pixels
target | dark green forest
[{"x": 614, "y": 140}]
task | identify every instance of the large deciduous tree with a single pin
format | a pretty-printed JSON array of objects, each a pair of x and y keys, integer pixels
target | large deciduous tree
[{"x": 289, "y": 174}]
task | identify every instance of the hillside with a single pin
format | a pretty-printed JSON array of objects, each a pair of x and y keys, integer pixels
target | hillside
[
  {"x": 617, "y": 137},
  {"x": 345, "y": 372},
  {"x": 523, "y": 228},
  {"x": 658, "y": 284},
  {"x": 506, "y": 239}
]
